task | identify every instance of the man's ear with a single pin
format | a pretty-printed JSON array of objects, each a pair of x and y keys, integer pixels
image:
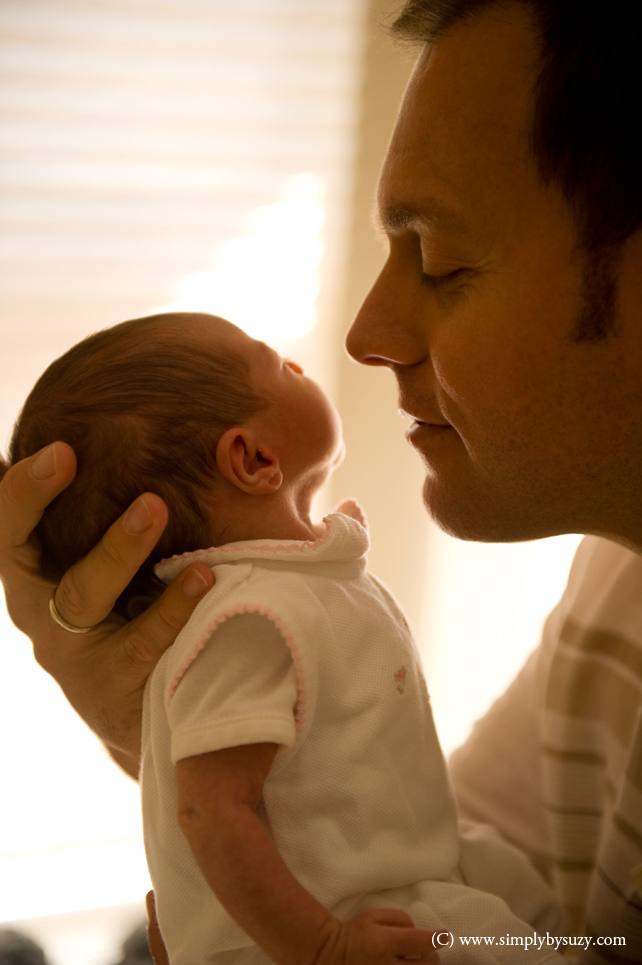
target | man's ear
[{"x": 252, "y": 468}]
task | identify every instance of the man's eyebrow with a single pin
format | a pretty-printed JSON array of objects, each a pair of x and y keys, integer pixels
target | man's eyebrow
[{"x": 393, "y": 219}]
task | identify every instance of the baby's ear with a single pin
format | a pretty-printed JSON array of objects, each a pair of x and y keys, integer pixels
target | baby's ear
[{"x": 252, "y": 468}]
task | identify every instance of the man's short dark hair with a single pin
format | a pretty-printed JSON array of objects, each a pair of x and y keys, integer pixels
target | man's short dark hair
[
  {"x": 587, "y": 120},
  {"x": 143, "y": 405}
]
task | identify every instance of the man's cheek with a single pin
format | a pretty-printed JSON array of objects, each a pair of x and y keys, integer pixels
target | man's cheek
[{"x": 474, "y": 378}]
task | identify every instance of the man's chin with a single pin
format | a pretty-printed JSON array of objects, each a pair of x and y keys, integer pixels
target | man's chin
[
  {"x": 451, "y": 512},
  {"x": 468, "y": 514}
]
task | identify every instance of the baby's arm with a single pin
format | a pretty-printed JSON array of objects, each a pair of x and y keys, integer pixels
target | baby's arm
[{"x": 218, "y": 794}]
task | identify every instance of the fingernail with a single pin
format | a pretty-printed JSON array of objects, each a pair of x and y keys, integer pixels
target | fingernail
[
  {"x": 194, "y": 584},
  {"x": 138, "y": 518},
  {"x": 45, "y": 464}
]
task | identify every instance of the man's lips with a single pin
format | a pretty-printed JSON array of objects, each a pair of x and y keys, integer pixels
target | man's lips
[
  {"x": 421, "y": 429},
  {"x": 424, "y": 433},
  {"x": 431, "y": 421},
  {"x": 429, "y": 437}
]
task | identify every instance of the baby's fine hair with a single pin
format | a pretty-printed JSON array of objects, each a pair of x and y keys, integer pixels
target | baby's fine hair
[{"x": 143, "y": 404}]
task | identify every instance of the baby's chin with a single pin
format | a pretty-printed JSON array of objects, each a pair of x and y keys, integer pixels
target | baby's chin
[
  {"x": 335, "y": 461},
  {"x": 340, "y": 455}
]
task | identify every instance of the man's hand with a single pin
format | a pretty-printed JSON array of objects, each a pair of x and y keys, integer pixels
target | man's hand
[
  {"x": 154, "y": 937},
  {"x": 103, "y": 672},
  {"x": 376, "y": 937}
]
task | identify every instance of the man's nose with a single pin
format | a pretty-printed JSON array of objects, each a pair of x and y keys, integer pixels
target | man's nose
[{"x": 385, "y": 330}]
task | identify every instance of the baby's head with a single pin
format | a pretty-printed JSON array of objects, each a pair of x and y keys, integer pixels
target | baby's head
[{"x": 184, "y": 405}]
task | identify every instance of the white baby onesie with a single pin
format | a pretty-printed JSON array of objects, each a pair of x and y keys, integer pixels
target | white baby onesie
[{"x": 298, "y": 645}]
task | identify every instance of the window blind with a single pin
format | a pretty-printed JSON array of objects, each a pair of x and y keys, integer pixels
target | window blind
[{"x": 138, "y": 136}]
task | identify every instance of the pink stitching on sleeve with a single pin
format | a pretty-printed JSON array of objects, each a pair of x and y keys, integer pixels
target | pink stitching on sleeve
[{"x": 287, "y": 636}]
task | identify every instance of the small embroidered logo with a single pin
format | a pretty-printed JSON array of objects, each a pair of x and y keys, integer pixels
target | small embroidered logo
[{"x": 400, "y": 677}]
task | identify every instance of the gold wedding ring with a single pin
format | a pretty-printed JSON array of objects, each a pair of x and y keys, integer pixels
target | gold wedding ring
[{"x": 60, "y": 620}]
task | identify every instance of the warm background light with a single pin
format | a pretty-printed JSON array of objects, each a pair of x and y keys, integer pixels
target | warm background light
[{"x": 268, "y": 280}]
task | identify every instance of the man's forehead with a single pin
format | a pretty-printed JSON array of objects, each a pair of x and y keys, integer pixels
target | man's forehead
[
  {"x": 430, "y": 174},
  {"x": 462, "y": 135},
  {"x": 414, "y": 194}
]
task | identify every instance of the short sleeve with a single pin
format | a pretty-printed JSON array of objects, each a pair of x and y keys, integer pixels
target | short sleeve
[{"x": 240, "y": 689}]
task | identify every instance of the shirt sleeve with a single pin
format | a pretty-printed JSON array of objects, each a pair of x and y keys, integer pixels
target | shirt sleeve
[
  {"x": 240, "y": 689},
  {"x": 496, "y": 773}
]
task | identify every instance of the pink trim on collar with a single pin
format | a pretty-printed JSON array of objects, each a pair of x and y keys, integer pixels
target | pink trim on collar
[{"x": 300, "y": 546}]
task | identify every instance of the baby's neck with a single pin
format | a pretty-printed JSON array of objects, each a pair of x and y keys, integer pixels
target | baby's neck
[{"x": 268, "y": 517}]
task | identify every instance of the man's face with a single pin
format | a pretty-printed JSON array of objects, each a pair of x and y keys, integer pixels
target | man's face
[{"x": 524, "y": 431}]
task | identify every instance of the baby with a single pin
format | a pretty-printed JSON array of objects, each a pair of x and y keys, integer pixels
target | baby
[{"x": 292, "y": 781}]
